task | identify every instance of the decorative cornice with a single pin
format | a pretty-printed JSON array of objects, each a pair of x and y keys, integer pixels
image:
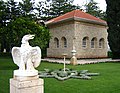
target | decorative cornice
[{"x": 76, "y": 19}]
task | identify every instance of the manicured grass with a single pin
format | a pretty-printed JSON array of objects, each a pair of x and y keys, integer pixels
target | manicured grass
[{"x": 107, "y": 82}]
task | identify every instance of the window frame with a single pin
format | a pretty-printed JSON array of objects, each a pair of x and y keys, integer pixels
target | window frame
[
  {"x": 56, "y": 42},
  {"x": 85, "y": 42},
  {"x": 93, "y": 42},
  {"x": 64, "y": 42},
  {"x": 101, "y": 43}
]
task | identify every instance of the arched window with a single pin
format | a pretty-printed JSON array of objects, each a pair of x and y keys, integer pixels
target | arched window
[
  {"x": 101, "y": 43},
  {"x": 93, "y": 42},
  {"x": 64, "y": 42},
  {"x": 56, "y": 42},
  {"x": 84, "y": 42}
]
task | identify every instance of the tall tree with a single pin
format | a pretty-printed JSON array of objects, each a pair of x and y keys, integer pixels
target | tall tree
[
  {"x": 54, "y": 8},
  {"x": 59, "y": 7},
  {"x": 92, "y": 8},
  {"x": 43, "y": 8},
  {"x": 27, "y": 8},
  {"x": 2, "y": 13},
  {"x": 21, "y": 26},
  {"x": 10, "y": 12},
  {"x": 3, "y": 20},
  {"x": 13, "y": 10},
  {"x": 113, "y": 21},
  {"x": 16, "y": 20}
]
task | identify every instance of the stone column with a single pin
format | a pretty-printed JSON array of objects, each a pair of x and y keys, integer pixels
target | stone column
[
  {"x": 26, "y": 84},
  {"x": 73, "y": 60}
]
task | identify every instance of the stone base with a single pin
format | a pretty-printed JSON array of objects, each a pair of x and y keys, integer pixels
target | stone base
[
  {"x": 25, "y": 78},
  {"x": 73, "y": 61},
  {"x": 25, "y": 72},
  {"x": 26, "y": 85}
]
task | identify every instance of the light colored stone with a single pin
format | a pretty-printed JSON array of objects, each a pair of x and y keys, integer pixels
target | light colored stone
[
  {"x": 26, "y": 86},
  {"x": 73, "y": 60},
  {"x": 74, "y": 31},
  {"x": 26, "y": 57},
  {"x": 24, "y": 78},
  {"x": 25, "y": 72}
]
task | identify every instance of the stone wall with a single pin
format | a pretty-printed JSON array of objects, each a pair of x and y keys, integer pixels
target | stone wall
[
  {"x": 61, "y": 30},
  {"x": 91, "y": 31},
  {"x": 77, "y": 30}
]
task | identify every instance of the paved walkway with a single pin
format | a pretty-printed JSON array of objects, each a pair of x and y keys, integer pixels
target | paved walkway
[{"x": 80, "y": 61}]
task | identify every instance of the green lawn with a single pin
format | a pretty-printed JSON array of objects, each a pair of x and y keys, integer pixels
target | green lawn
[{"x": 107, "y": 82}]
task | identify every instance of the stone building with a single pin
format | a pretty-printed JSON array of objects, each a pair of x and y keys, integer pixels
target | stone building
[{"x": 78, "y": 29}]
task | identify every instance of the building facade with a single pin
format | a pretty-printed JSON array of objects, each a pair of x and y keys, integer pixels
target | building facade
[{"x": 79, "y": 30}]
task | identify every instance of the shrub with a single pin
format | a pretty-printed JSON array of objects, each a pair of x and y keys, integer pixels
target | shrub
[
  {"x": 7, "y": 54},
  {"x": 110, "y": 54}
]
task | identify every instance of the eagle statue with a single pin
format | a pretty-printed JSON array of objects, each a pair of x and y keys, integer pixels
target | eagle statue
[{"x": 26, "y": 57}]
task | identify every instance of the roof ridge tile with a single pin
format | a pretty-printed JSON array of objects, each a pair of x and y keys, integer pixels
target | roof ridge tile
[{"x": 76, "y": 14}]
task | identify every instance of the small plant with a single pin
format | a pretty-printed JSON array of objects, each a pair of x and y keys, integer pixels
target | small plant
[{"x": 69, "y": 73}]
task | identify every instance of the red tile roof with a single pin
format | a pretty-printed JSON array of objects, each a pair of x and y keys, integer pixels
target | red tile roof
[{"x": 76, "y": 14}]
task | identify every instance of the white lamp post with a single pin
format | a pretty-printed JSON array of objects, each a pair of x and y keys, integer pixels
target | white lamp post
[
  {"x": 64, "y": 55},
  {"x": 73, "y": 59}
]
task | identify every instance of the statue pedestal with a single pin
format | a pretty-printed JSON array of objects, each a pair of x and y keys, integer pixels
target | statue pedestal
[
  {"x": 25, "y": 73},
  {"x": 26, "y": 84}
]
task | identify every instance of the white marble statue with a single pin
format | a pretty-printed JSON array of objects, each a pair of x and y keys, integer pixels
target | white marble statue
[{"x": 26, "y": 57}]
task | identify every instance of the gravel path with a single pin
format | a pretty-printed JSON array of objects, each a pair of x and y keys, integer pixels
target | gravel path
[{"x": 80, "y": 61}]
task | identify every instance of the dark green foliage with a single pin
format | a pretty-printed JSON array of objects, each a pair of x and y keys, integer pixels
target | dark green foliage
[
  {"x": 17, "y": 19},
  {"x": 13, "y": 10},
  {"x": 2, "y": 13},
  {"x": 21, "y": 26},
  {"x": 27, "y": 8},
  {"x": 110, "y": 54},
  {"x": 113, "y": 21},
  {"x": 4, "y": 55}
]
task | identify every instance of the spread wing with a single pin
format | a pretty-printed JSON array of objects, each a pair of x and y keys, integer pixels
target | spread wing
[
  {"x": 36, "y": 56},
  {"x": 16, "y": 55}
]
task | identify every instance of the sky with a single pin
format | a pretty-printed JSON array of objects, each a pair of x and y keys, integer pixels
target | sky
[{"x": 101, "y": 3}]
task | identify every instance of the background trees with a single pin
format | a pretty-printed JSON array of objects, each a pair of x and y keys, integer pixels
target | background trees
[
  {"x": 18, "y": 19},
  {"x": 12, "y": 10},
  {"x": 21, "y": 26},
  {"x": 92, "y": 8},
  {"x": 27, "y": 8},
  {"x": 113, "y": 21},
  {"x": 3, "y": 18},
  {"x": 53, "y": 8}
]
